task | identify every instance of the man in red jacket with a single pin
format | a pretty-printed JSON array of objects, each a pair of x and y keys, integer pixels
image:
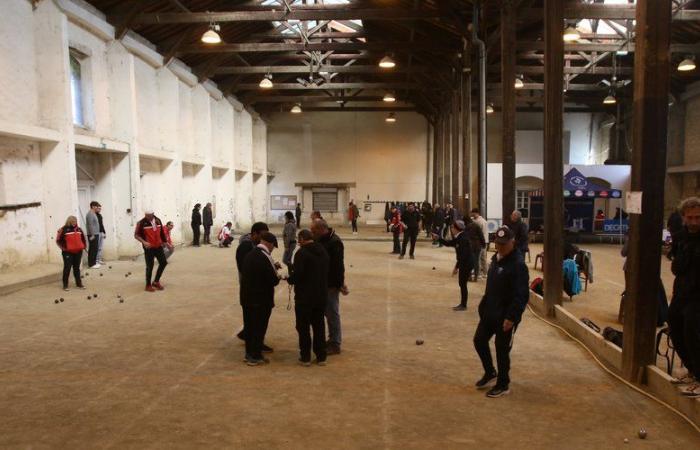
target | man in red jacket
[{"x": 150, "y": 233}]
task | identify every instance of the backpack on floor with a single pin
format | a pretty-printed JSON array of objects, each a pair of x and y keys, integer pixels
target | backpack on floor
[
  {"x": 613, "y": 335},
  {"x": 537, "y": 286}
]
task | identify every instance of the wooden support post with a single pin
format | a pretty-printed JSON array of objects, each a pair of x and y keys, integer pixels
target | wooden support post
[
  {"x": 436, "y": 148},
  {"x": 508, "y": 27},
  {"x": 651, "y": 84},
  {"x": 467, "y": 135},
  {"x": 553, "y": 160},
  {"x": 456, "y": 141},
  {"x": 446, "y": 155}
]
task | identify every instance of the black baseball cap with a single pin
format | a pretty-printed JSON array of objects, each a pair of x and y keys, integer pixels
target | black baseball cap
[{"x": 504, "y": 235}]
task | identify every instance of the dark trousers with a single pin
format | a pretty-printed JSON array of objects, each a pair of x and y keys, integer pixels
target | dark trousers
[
  {"x": 207, "y": 233},
  {"x": 410, "y": 234},
  {"x": 486, "y": 329},
  {"x": 397, "y": 243},
  {"x": 72, "y": 261},
  {"x": 195, "y": 235},
  {"x": 93, "y": 246},
  {"x": 684, "y": 327},
  {"x": 226, "y": 242},
  {"x": 313, "y": 318},
  {"x": 463, "y": 278},
  {"x": 150, "y": 254},
  {"x": 255, "y": 321},
  {"x": 387, "y": 225},
  {"x": 354, "y": 225},
  {"x": 298, "y": 222}
]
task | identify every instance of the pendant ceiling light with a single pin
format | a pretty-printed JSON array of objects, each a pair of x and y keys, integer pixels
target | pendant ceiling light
[
  {"x": 687, "y": 64},
  {"x": 211, "y": 36},
  {"x": 519, "y": 83},
  {"x": 266, "y": 82},
  {"x": 610, "y": 99},
  {"x": 389, "y": 97},
  {"x": 571, "y": 34},
  {"x": 489, "y": 109},
  {"x": 387, "y": 63},
  {"x": 391, "y": 118},
  {"x": 296, "y": 109}
]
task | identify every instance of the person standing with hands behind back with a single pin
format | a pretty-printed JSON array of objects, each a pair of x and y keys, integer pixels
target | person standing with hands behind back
[
  {"x": 208, "y": 222},
  {"x": 92, "y": 224},
  {"x": 500, "y": 311},
  {"x": 196, "y": 222}
]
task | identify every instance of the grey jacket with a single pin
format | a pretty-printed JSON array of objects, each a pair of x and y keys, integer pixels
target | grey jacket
[
  {"x": 92, "y": 224},
  {"x": 289, "y": 235}
]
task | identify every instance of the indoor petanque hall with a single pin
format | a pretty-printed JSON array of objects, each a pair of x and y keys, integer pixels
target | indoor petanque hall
[{"x": 354, "y": 224}]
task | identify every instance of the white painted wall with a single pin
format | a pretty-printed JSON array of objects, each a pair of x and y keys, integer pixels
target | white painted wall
[
  {"x": 154, "y": 137},
  {"x": 386, "y": 161}
]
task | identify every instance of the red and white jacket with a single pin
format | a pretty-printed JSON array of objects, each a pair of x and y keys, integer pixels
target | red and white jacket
[
  {"x": 71, "y": 239},
  {"x": 151, "y": 232}
]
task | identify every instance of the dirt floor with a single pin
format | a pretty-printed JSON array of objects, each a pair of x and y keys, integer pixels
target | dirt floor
[{"x": 164, "y": 370}]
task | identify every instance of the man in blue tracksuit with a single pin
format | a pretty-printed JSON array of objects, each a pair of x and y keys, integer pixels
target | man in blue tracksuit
[{"x": 500, "y": 311}]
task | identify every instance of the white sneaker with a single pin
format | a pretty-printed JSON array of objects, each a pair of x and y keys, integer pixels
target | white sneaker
[
  {"x": 687, "y": 379},
  {"x": 691, "y": 391},
  {"x": 96, "y": 266}
]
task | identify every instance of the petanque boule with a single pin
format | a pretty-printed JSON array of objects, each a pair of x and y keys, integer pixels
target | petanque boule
[
  {"x": 101, "y": 274},
  {"x": 89, "y": 297},
  {"x": 433, "y": 268},
  {"x": 56, "y": 302},
  {"x": 419, "y": 341},
  {"x": 626, "y": 441},
  {"x": 642, "y": 433},
  {"x": 94, "y": 295},
  {"x": 60, "y": 300},
  {"x": 121, "y": 300}
]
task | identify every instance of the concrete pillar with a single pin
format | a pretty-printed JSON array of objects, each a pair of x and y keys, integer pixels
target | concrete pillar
[{"x": 59, "y": 187}]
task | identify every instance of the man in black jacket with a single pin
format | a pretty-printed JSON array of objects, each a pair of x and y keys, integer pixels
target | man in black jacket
[
  {"x": 207, "y": 221},
  {"x": 500, "y": 311},
  {"x": 412, "y": 220},
  {"x": 520, "y": 231},
  {"x": 684, "y": 312},
  {"x": 309, "y": 275},
  {"x": 336, "y": 281},
  {"x": 196, "y": 222},
  {"x": 246, "y": 244},
  {"x": 465, "y": 259},
  {"x": 258, "y": 296}
]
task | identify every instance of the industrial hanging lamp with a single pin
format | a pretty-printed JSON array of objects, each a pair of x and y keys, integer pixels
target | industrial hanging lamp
[
  {"x": 519, "y": 82},
  {"x": 687, "y": 64},
  {"x": 387, "y": 62},
  {"x": 266, "y": 82},
  {"x": 389, "y": 97},
  {"x": 571, "y": 34},
  {"x": 610, "y": 99},
  {"x": 489, "y": 109},
  {"x": 296, "y": 109},
  {"x": 211, "y": 36},
  {"x": 391, "y": 118}
]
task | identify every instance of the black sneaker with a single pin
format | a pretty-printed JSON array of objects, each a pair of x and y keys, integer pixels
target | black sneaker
[
  {"x": 498, "y": 391},
  {"x": 486, "y": 380},
  {"x": 459, "y": 308},
  {"x": 333, "y": 350},
  {"x": 412, "y": 257},
  {"x": 266, "y": 349},
  {"x": 252, "y": 361}
]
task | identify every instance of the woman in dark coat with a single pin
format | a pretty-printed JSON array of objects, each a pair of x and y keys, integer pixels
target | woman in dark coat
[
  {"x": 196, "y": 223},
  {"x": 208, "y": 221}
]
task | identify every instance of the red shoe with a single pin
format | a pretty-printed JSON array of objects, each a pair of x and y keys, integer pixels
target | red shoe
[
  {"x": 158, "y": 286},
  {"x": 149, "y": 288}
]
